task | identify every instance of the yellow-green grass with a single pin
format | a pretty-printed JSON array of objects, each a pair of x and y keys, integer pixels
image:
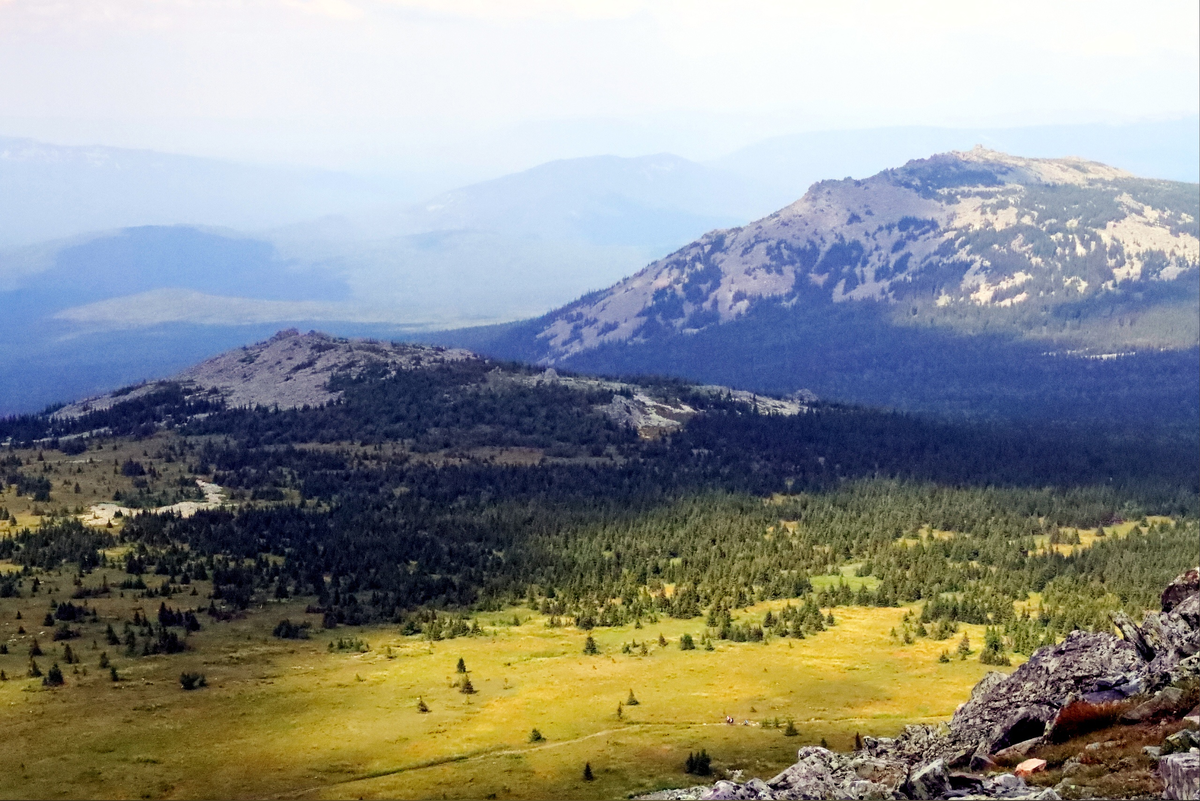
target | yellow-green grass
[
  {"x": 289, "y": 718},
  {"x": 96, "y": 472},
  {"x": 1088, "y": 536},
  {"x": 845, "y": 575}
]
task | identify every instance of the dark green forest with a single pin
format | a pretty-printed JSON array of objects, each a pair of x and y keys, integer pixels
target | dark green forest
[{"x": 381, "y": 508}]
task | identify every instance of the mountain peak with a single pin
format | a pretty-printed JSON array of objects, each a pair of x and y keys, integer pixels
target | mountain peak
[{"x": 947, "y": 238}]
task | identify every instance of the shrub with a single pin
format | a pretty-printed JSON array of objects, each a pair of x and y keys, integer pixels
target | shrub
[
  {"x": 791, "y": 730},
  {"x": 1081, "y": 717},
  {"x": 535, "y": 736},
  {"x": 698, "y": 764},
  {"x": 287, "y": 630},
  {"x": 192, "y": 681},
  {"x": 686, "y": 643},
  {"x": 589, "y": 647}
]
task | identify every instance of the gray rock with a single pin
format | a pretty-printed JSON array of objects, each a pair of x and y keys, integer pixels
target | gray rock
[
  {"x": 1187, "y": 583},
  {"x": 930, "y": 781},
  {"x": 1007, "y": 710},
  {"x": 1019, "y": 751},
  {"x": 1165, "y": 700},
  {"x": 723, "y": 791},
  {"x": 1181, "y": 741},
  {"x": 1181, "y": 776},
  {"x": 1152, "y": 751}
]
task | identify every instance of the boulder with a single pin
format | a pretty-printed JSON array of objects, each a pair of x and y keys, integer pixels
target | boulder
[
  {"x": 930, "y": 781},
  {"x": 1163, "y": 701},
  {"x": 1180, "y": 741},
  {"x": 1187, "y": 583},
  {"x": 753, "y": 790},
  {"x": 1015, "y": 753},
  {"x": 1011, "y": 709},
  {"x": 820, "y": 773},
  {"x": 1029, "y": 767},
  {"x": 1180, "y": 775}
]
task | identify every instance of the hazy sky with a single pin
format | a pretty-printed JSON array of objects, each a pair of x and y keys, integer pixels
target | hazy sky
[{"x": 411, "y": 84}]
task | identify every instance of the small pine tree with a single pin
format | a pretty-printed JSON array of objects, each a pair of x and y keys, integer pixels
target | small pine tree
[
  {"x": 54, "y": 678},
  {"x": 467, "y": 688},
  {"x": 824, "y": 743},
  {"x": 631, "y": 700},
  {"x": 944, "y": 657},
  {"x": 589, "y": 646},
  {"x": 536, "y": 736},
  {"x": 858, "y": 745},
  {"x": 662, "y": 641},
  {"x": 112, "y": 674},
  {"x": 587, "y": 772},
  {"x": 686, "y": 643},
  {"x": 791, "y": 730},
  {"x": 35, "y": 649},
  {"x": 993, "y": 648},
  {"x": 620, "y": 710},
  {"x": 964, "y": 647},
  {"x": 461, "y": 667},
  {"x": 35, "y": 672},
  {"x": 422, "y": 707}
]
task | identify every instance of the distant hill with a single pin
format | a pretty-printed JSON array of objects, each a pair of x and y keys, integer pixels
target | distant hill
[
  {"x": 54, "y": 191},
  {"x": 975, "y": 281},
  {"x": 96, "y": 310}
]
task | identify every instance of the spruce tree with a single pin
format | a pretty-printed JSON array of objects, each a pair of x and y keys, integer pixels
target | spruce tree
[{"x": 587, "y": 772}]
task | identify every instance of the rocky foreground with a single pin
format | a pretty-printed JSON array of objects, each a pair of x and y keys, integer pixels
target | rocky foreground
[{"x": 1121, "y": 692}]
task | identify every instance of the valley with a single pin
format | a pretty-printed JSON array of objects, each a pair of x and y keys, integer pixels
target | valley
[{"x": 362, "y": 515}]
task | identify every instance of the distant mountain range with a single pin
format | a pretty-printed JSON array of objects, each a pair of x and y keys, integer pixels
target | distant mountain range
[
  {"x": 163, "y": 260},
  {"x": 972, "y": 280}
]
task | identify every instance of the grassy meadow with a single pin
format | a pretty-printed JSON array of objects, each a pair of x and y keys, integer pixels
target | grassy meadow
[{"x": 290, "y": 718}]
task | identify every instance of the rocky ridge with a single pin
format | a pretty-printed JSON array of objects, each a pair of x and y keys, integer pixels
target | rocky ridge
[
  {"x": 1008, "y": 717},
  {"x": 292, "y": 370},
  {"x": 947, "y": 238}
]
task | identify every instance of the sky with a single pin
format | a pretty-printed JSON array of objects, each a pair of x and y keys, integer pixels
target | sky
[{"x": 416, "y": 85}]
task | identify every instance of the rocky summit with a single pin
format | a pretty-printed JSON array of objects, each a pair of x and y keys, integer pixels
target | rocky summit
[
  {"x": 967, "y": 240},
  {"x": 1144, "y": 682}
]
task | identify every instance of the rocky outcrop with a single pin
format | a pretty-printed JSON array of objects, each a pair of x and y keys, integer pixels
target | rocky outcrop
[
  {"x": 1094, "y": 667},
  {"x": 1013, "y": 714},
  {"x": 1180, "y": 589},
  {"x": 1181, "y": 776}
]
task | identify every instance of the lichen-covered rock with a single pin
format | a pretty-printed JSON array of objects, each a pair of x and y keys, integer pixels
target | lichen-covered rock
[
  {"x": 820, "y": 773},
  {"x": 930, "y": 781},
  {"x": 753, "y": 790},
  {"x": 1180, "y": 741},
  {"x": 1165, "y": 700},
  {"x": 1180, "y": 775},
  {"x": 1006, "y": 711},
  {"x": 1186, "y": 584}
]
